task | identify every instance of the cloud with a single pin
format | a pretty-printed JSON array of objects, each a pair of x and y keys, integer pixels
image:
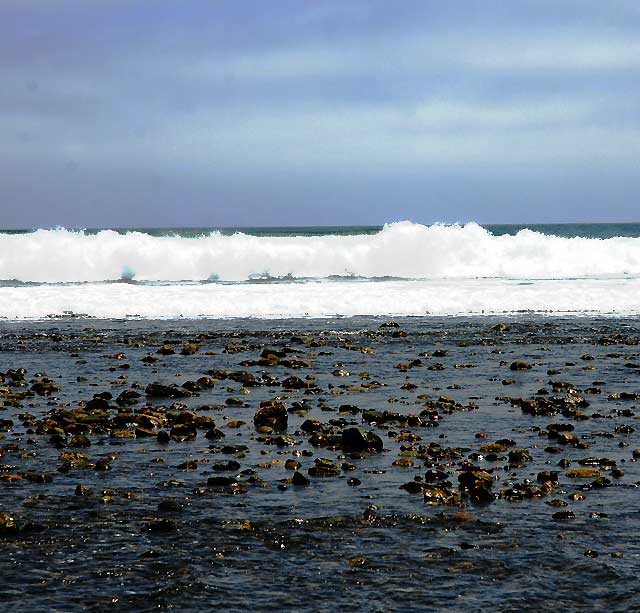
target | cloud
[{"x": 302, "y": 87}]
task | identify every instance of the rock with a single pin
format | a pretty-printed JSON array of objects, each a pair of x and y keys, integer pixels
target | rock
[
  {"x": 295, "y": 383},
  {"x": 583, "y": 473},
  {"x": 170, "y": 506},
  {"x": 413, "y": 487},
  {"x": 73, "y": 459},
  {"x": 324, "y": 468},
  {"x": 225, "y": 466},
  {"x": 358, "y": 562},
  {"x": 128, "y": 397},
  {"x": 563, "y": 515},
  {"x": 299, "y": 479},
  {"x": 221, "y": 481},
  {"x": 189, "y": 349},
  {"x": 157, "y": 390},
  {"x": 547, "y": 475},
  {"x": 434, "y": 495},
  {"x": 144, "y": 432},
  {"x": 183, "y": 432},
  {"x": 520, "y": 365},
  {"x": 161, "y": 525},
  {"x": 519, "y": 456},
  {"x": 103, "y": 465},
  {"x": 357, "y": 439},
  {"x": 214, "y": 434},
  {"x": 271, "y": 414},
  {"x": 501, "y": 328},
  {"x": 8, "y": 525}
]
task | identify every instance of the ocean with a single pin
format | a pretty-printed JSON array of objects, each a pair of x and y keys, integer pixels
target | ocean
[
  {"x": 400, "y": 269},
  {"x": 405, "y": 417}
]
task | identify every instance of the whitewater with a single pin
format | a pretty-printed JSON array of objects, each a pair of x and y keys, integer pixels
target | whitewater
[{"x": 403, "y": 269}]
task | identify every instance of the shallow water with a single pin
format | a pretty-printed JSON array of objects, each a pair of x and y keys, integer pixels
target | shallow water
[{"x": 269, "y": 547}]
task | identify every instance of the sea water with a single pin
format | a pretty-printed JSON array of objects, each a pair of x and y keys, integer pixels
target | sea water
[{"x": 402, "y": 268}]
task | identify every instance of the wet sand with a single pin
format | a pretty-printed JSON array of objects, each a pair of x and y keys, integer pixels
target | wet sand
[{"x": 320, "y": 465}]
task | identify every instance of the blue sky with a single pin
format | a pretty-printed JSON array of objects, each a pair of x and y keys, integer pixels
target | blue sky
[{"x": 300, "y": 112}]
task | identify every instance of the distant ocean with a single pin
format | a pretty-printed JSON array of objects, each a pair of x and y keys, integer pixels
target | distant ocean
[{"x": 402, "y": 269}]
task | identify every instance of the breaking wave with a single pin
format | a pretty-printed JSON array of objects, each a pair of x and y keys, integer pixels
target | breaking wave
[{"x": 400, "y": 250}]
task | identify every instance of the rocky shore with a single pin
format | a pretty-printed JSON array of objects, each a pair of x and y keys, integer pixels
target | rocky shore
[{"x": 353, "y": 464}]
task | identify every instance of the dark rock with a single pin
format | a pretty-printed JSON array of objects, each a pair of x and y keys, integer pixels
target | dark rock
[
  {"x": 221, "y": 481},
  {"x": 8, "y": 525},
  {"x": 563, "y": 515},
  {"x": 324, "y": 468},
  {"x": 519, "y": 457},
  {"x": 161, "y": 525},
  {"x": 271, "y": 414},
  {"x": 299, "y": 479},
  {"x": 357, "y": 439},
  {"x": 224, "y": 466},
  {"x": 214, "y": 434},
  {"x": 157, "y": 390}
]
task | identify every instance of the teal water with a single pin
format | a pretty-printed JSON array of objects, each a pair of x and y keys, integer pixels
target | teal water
[{"x": 567, "y": 230}]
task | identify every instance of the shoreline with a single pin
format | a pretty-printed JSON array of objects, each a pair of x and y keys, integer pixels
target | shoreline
[{"x": 417, "y": 459}]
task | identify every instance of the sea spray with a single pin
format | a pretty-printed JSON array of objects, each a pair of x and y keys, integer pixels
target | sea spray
[{"x": 400, "y": 250}]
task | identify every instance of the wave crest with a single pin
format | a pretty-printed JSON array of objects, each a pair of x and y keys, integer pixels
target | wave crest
[{"x": 399, "y": 250}]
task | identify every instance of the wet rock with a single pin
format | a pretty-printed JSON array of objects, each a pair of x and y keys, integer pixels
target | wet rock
[
  {"x": 144, "y": 432},
  {"x": 583, "y": 473},
  {"x": 357, "y": 439},
  {"x": 434, "y": 495},
  {"x": 214, "y": 434},
  {"x": 518, "y": 457},
  {"x": 82, "y": 490},
  {"x": 8, "y": 525},
  {"x": 547, "y": 475},
  {"x": 189, "y": 349},
  {"x": 299, "y": 479},
  {"x": 161, "y": 525},
  {"x": 359, "y": 562},
  {"x": 103, "y": 465},
  {"x": 72, "y": 459},
  {"x": 324, "y": 468},
  {"x": 170, "y": 506},
  {"x": 157, "y": 390},
  {"x": 271, "y": 414},
  {"x": 295, "y": 383},
  {"x": 413, "y": 487},
  {"x": 45, "y": 387},
  {"x": 563, "y": 515},
  {"x": 229, "y": 465},
  {"x": 128, "y": 398},
  {"x": 519, "y": 365},
  {"x": 182, "y": 432},
  {"x": 221, "y": 481},
  {"x": 79, "y": 440}
]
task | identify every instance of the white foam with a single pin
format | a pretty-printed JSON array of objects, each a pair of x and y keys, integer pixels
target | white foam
[
  {"x": 324, "y": 299},
  {"x": 402, "y": 249}
]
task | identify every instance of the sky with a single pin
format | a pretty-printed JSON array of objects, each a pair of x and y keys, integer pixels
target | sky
[{"x": 153, "y": 113}]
